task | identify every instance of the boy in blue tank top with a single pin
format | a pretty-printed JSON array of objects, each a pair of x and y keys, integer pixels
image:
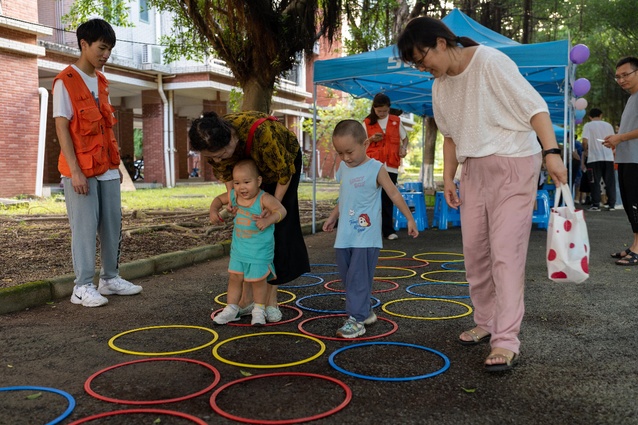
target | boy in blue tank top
[
  {"x": 252, "y": 248},
  {"x": 359, "y": 238}
]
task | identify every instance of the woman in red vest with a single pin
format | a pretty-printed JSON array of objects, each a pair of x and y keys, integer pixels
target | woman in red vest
[{"x": 388, "y": 144}]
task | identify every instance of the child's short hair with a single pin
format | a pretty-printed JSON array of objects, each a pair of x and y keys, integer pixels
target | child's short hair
[
  {"x": 351, "y": 128},
  {"x": 95, "y": 30},
  {"x": 250, "y": 164}
]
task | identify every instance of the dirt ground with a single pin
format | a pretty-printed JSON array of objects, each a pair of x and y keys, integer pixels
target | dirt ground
[
  {"x": 577, "y": 356},
  {"x": 39, "y": 247}
]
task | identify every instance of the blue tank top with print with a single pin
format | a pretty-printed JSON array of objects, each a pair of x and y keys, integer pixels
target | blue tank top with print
[
  {"x": 359, "y": 206},
  {"x": 249, "y": 244}
]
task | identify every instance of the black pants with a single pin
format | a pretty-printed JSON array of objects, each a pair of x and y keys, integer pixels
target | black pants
[
  {"x": 627, "y": 176},
  {"x": 387, "y": 207},
  {"x": 603, "y": 170}
]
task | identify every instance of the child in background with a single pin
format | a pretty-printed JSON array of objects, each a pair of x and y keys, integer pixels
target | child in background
[
  {"x": 359, "y": 237},
  {"x": 252, "y": 248}
]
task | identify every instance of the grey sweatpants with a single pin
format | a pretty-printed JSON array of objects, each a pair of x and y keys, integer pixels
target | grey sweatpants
[
  {"x": 98, "y": 213},
  {"x": 356, "y": 267}
]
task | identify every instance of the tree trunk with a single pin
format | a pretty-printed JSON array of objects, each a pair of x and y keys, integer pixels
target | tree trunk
[
  {"x": 256, "y": 97},
  {"x": 429, "y": 145}
]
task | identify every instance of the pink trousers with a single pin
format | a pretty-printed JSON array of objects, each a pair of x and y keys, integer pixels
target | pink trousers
[{"x": 498, "y": 195}]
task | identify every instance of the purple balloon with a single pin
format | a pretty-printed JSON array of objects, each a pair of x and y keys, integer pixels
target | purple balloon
[
  {"x": 581, "y": 87},
  {"x": 579, "y": 54},
  {"x": 578, "y": 121}
]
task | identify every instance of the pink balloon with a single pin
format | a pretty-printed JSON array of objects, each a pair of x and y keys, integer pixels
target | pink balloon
[
  {"x": 580, "y": 103},
  {"x": 581, "y": 87},
  {"x": 579, "y": 54}
]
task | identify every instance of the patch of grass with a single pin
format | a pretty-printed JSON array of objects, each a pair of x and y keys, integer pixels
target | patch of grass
[{"x": 184, "y": 197}]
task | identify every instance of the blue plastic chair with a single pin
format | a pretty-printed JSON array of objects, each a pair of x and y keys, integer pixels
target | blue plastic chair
[
  {"x": 416, "y": 203},
  {"x": 540, "y": 216},
  {"x": 445, "y": 216}
]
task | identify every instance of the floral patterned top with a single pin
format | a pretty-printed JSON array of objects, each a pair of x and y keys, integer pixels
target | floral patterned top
[{"x": 274, "y": 149}]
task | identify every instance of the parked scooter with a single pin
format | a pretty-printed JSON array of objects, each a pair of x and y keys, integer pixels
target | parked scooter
[{"x": 139, "y": 169}]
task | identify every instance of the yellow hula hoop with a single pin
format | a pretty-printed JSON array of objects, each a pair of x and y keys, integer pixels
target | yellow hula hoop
[
  {"x": 443, "y": 281},
  {"x": 413, "y": 273},
  {"x": 384, "y": 307},
  {"x": 416, "y": 257},
  {"x": 143, "y": 353},
  {"x": 322, "y": 348},
  {"x": 401, "y": 253},
  {"x": 293, "y": 297}
]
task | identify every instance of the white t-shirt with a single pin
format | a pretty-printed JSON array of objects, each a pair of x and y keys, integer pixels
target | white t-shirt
[
  {"x": 488, "y": 107},
  {"x": 62, "y": 107},
  {"x": 592, "y": 131}
]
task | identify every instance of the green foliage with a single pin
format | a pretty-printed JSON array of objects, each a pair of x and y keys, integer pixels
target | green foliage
[
  {"x": 235, "y": 99},
  {"x": 138, "y": 150},
  {"x": 113, "y": 11}
]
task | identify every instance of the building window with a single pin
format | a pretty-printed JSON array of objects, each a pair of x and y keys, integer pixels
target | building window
[{"x": 143, "y": 11}]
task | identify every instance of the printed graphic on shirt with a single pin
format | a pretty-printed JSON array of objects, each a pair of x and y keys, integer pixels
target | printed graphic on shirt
[{"x": 359, "y": 222}]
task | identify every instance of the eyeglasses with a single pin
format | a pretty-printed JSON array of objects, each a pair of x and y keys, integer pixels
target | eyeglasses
[
  {"x": 624, "y": 76},
  {"x": 419, "y": 64}
]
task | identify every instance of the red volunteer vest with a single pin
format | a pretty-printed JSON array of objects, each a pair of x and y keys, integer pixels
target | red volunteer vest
[{"x": 387, "y": 150}]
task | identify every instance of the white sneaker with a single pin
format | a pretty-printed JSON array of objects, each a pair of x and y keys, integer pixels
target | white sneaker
[
  {"x": 118, "y": 286},
  {"x": 259, "y": 317},
  {"x": 246, "y": 311},
  {"x": 273, "y": 314},
  {"x": 372, "y": 318},
  {"x": 87, "y": 296},
  {"x": 228, "y": 314},
  {"x": 393, "y": 236}
]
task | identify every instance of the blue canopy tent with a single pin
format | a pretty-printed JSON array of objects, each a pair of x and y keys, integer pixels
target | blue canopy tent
[{"x": 545, "y": 65}]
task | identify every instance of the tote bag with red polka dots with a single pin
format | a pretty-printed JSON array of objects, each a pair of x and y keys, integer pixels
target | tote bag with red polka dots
[{"x": 567, "y": 241}]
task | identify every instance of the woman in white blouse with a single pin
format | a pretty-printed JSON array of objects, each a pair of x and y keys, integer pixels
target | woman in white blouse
[{"x": 490, "y": 117}]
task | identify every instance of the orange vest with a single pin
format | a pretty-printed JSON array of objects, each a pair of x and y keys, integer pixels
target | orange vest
[
  {"x": 91, "y": 127},
  {"x": 387, "y": 150}
]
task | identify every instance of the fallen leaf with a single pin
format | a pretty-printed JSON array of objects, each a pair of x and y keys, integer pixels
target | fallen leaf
[
  {"x": 34, "y": 396},
  {"x": 244, "y": 373},
  {"x": 469, "y": 390}
]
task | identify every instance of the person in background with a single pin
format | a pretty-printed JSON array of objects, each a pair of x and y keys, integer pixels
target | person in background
[
  {"x": 359, "y": 240},
  {"x": 225, "y": 140},
  {"x": 89, "y": 161},
  {"x": 600, "y": 158},
  {"x": 490, "y": 117},
  {"x": 252, "y": 249},
  {"x": 626, "y": 145},
  {"x": 388, "y": 145}
]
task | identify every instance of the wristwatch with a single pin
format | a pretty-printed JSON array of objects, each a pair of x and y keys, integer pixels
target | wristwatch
[{"x": 557, "y": 151}]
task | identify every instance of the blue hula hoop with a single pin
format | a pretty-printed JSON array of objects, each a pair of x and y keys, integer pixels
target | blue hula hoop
[
  {"x": 323, "y": 265},
  {"x": 409, "y": 291},
  {"x": 445, "y": 367},
  {"x": 449, "y": 265},
  {"x": 377, "y": 303},
  {"x": 319, "y": 281},
  {"x": 66, "y": 395}
]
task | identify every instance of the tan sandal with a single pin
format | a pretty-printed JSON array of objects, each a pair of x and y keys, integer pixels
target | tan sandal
[
  {"x": 508, "y": 364},
  {"x": 476, "y": 338}
]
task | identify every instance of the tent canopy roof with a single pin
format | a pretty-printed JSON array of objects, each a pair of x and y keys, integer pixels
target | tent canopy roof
[{"x": 544, "y": 65}]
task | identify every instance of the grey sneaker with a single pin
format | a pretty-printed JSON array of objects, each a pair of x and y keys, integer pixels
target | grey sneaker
[
  {"x": 593, "y": 209},
  {"x": 259, "y": 317},
  {"x": 118, "y": 286},
  {"x": 246, "y": 311},
  {"x": 87, "y": 296},
  {"x": 351, "y": 329},
  {"x": 228, "y": 314},
  {"x": 273, "y": 314},
  {"x": 372, "y": 318}
]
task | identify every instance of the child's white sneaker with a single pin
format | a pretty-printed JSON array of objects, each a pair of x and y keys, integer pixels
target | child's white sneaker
[
  {"x": 259, "y": 317},
  {"x": 228, "y": 314}
]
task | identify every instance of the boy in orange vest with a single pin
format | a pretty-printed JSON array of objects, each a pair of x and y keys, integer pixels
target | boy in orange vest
[{"x": 88, "y": 162}]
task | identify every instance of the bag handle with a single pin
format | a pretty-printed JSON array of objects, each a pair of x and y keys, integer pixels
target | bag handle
[
  {"x": 251, "y": 133},
  {"x": 563, "y": 190}
]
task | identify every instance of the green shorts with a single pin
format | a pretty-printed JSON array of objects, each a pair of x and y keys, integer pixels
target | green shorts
[{"x": 252, "y": 272}]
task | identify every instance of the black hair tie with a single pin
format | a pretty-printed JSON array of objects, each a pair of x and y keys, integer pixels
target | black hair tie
[{"x": 458, "y": 39}]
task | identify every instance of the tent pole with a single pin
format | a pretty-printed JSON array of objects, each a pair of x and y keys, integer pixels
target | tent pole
[{"x": 313, "y": 162}]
